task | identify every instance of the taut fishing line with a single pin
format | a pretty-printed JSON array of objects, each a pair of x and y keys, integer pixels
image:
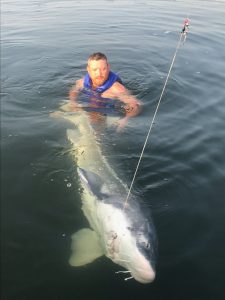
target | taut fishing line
[{"x": 182, "y": 39}]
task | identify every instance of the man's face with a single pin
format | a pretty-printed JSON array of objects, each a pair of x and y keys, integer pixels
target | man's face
[{"x": 98, "y": 70}]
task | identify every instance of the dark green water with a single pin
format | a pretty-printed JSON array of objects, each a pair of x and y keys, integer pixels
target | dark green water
[{"x": 45, "y": 45}]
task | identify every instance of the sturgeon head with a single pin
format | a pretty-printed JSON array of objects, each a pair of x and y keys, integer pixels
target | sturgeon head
[{"x": 125, "y": 235}]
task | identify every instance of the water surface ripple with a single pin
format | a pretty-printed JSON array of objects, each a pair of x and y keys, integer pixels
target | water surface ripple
[{"x": 45, "y": 45}]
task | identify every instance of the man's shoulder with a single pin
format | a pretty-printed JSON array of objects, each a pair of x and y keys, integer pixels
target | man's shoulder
[
  {"x": 115, "y": 91},
  {"x": 118, "y": 87},
  {"x": 79, "y": 84}
]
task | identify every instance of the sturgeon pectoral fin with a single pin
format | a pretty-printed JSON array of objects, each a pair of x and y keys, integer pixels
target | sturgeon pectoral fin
[
  {"x": 56, "y": 114},
  {"x": 85, "y": 247}
]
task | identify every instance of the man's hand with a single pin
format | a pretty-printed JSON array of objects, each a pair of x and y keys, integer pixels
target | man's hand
[{"x": 120, "y": 124}]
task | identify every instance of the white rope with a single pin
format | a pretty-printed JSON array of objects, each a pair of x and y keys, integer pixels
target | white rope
[{"x": 153, "y": 119}]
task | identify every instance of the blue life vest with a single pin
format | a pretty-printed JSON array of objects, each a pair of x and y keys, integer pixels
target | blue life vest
[{"x": 107, "y": 84}]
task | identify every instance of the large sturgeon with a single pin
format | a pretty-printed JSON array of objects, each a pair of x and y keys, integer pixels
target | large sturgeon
[{"x": 126, "y": 235}]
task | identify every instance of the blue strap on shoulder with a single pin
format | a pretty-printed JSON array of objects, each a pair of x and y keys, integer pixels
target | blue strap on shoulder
[{"x": 113, "y": 77}]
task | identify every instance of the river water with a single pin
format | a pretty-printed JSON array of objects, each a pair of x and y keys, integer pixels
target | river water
[{"x": 45, "y": 45}]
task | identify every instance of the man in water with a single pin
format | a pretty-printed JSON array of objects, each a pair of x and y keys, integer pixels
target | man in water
[{"x": 100, "y": 81}]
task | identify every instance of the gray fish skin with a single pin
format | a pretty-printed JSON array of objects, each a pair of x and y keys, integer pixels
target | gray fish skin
[{"x": 126, "y": 235}]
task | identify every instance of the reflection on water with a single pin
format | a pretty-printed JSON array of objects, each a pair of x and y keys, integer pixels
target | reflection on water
[{"x": 181, "y": 177}]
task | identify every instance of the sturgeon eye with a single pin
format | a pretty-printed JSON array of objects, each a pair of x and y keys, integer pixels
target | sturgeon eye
[
  {"x": 146, "y": 245},
  {"x": 130, "y": 228}
]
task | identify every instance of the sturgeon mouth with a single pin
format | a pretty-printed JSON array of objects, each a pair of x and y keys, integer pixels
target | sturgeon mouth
[{"x": 145, "y": 277}]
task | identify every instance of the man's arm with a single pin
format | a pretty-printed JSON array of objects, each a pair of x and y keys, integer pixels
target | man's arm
[
  {"x": 132, "y": 106},
  {"x": 74, "y": 91}
]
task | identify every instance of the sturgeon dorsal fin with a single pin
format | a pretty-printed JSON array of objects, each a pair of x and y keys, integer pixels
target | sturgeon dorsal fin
[
  {"x": 93, "y": 182},
  {"x": 85, "y": 247}
]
